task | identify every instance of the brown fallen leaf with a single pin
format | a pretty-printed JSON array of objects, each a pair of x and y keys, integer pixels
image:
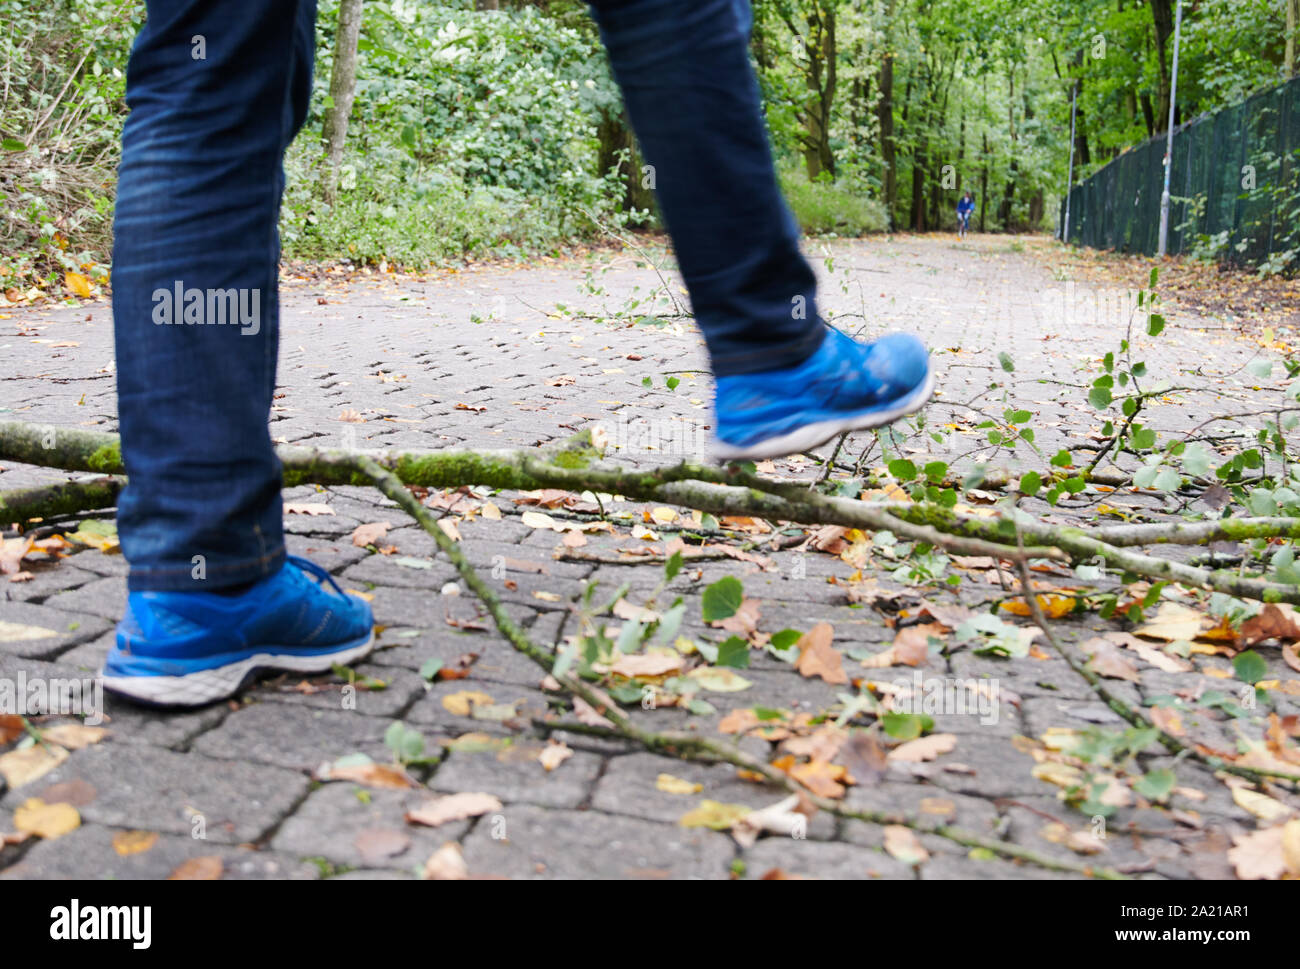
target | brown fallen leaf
[
  {"x": 555, "y": 753},
  {"x": 1258, "y": 855},
  {"x": 307, "y": 508},
  {"x": 864, "y": 758},
  {"x": 205, "y": 868},
  {"x": 744, "y": 621},
  {"x": 11, "y": 727},
  {"x": 1106, "y": 660},
  {"x": 821, "y": 778},
  {"x": 1292, "y": 660},
  {"x": 654, "y": 664},
  {"x": 387, "y": 776},
  {"x": 74, "y": 736},
  {"x": 1274, "y": 621},
  {"x": 818, "y": 658},
  {"x": 370, "y": 533},
  {"x": 903, "y": 844},
  {"x": 446, "y": 864},
  {"x": 923, "y": 748},
  {"x": 912, "y": 643}
]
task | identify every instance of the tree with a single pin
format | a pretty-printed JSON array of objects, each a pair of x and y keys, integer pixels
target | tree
[{"x": 343, "y": 90}]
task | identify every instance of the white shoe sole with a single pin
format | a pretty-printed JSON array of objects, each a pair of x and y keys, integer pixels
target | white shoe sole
[
  {"x": 205, "y": 686},
  {"x": 811, "y": 435}
]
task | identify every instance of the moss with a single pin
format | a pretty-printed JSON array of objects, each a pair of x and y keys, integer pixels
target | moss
[
  {"x": 574, "y": 460},
  {"x": 107, "y": 459}
]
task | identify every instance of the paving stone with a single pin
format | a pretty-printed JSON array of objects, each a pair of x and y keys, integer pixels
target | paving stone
[
  {"x": 811, "y": 859},
  {"x": 628, "y": 786},
  {"x": 47, "y": 578},
  {"x": 949, "y": 868},
  {"x": 353, "y": 827},
  {"x": 516, "y": 776},
  {"x": 105, "y": 598},
  {"x": 154, "y": 789},
  {"x": 294, "y": 737},
  {"x": 43, "y": 632},
  {"x": 543, "y": 843},
  {"x": 333, "y": 693},
  {"x": 88, "y": 853}
]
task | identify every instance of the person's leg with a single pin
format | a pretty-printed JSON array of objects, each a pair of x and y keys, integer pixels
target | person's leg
[
  {"x": 683, "y": 66},
  {"x": 217, "y": 91},
  {"x": 785, "y": 381}
]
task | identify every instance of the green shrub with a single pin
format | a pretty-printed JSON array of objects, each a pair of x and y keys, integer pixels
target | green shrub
[{"x": 831, "y": 208}]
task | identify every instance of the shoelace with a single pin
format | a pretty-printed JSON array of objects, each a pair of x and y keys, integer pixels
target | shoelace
[{"x": 307, "y": 565}]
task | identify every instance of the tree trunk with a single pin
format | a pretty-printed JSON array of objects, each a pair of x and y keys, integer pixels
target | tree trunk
[
  {"x": 615, "y": 134},
  {"x": 1162, "y": 13},
  {"x": 885, "y": 114},
  {"x": 1292, "y": 18},
  {"x": 343, "y": 89},
  {"x": 984, "y": 185}
]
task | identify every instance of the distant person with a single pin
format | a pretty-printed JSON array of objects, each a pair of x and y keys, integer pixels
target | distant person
[
  {"x": 213, "y": 596},
  {"x": 964, "y": 209}
]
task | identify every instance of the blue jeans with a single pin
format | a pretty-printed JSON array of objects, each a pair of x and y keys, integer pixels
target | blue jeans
[{"x": 217, "y": 91}]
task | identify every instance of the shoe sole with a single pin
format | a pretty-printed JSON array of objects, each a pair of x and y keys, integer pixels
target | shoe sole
[
  {"x": 206, "y": 686},
  {"x": 812, "y": 435}
]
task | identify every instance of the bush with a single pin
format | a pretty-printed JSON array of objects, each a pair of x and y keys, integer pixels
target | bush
[{"x": 831, "y": 208}]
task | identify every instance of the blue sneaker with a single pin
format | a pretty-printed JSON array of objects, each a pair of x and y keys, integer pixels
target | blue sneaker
[
  {"x": 844, "y": 386},
  {"x": 190, "y": 648}
]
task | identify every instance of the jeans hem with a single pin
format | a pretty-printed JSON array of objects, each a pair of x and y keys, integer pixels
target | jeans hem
[
  {"x": 180, "y": 578},
  {"x": 780, "y": 357}
]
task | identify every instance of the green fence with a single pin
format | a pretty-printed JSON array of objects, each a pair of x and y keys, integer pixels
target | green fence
[{"x": 1235, "y": 188}]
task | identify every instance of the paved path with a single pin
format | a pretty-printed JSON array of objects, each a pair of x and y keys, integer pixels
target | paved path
[{"x": 485, "y": 357}]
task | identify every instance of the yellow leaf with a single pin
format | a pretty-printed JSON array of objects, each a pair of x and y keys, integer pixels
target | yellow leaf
[
  {"x": 78, "y": 283},
  {"x": 19, "y": 767},
  {"x": 48, "y": 821},
  {"x": 1260, "y": 805},
  {"x": 134, "y": 842},
  {"x": 460, "y": 703},
  {"x": 74, "y": 736},
  {"x": 1053, "y": 604},
  {"x": 712, "y": 814},
  {"x": 675, "y": 785}
]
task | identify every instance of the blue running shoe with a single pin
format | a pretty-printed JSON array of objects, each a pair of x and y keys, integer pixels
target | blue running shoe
[
  {"x": 844, "y": 386},
  {"x": 190, "y": 648}
]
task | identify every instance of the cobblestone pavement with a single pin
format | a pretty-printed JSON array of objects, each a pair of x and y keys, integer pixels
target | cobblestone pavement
[{"x": 518, "y": 357}]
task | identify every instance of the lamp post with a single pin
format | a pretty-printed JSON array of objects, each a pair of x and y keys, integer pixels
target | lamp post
[
  {"x": 1169, "y": 140},
  {"x": 1069, "y": 179}
]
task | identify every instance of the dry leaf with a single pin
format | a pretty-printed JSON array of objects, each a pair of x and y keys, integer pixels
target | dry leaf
[
  {"x": 307, "y": 508},
  {"x": 1274, "y": 621},
  {"x": 446, "y": 864},
  {"x": 461, "y": 703},
  {"x": 127, "y": 843},
  {"x": 903, "y": 844},
  {"x": 453, "y": 807},
  {"x": 74, "y": 736},
  {"x": 1261, "y": 805},
  {"x": 554, "y": 754},
  {"x": 912, "y": 643},
  {"x": 370, "y": 534},
  {"x": 675, "y": 785},
  {"x": 818, "y": 658},
  {"x": 19, "y": 767},
  {"x": 47, "y": 821},
  {"x": 206, "y": 868},
  {"x": 655, "y": 664},
  {"x": 1259, "y": 854},
  {"x": 370, "y": 775},
  {"x": 923, "y": 748}
]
